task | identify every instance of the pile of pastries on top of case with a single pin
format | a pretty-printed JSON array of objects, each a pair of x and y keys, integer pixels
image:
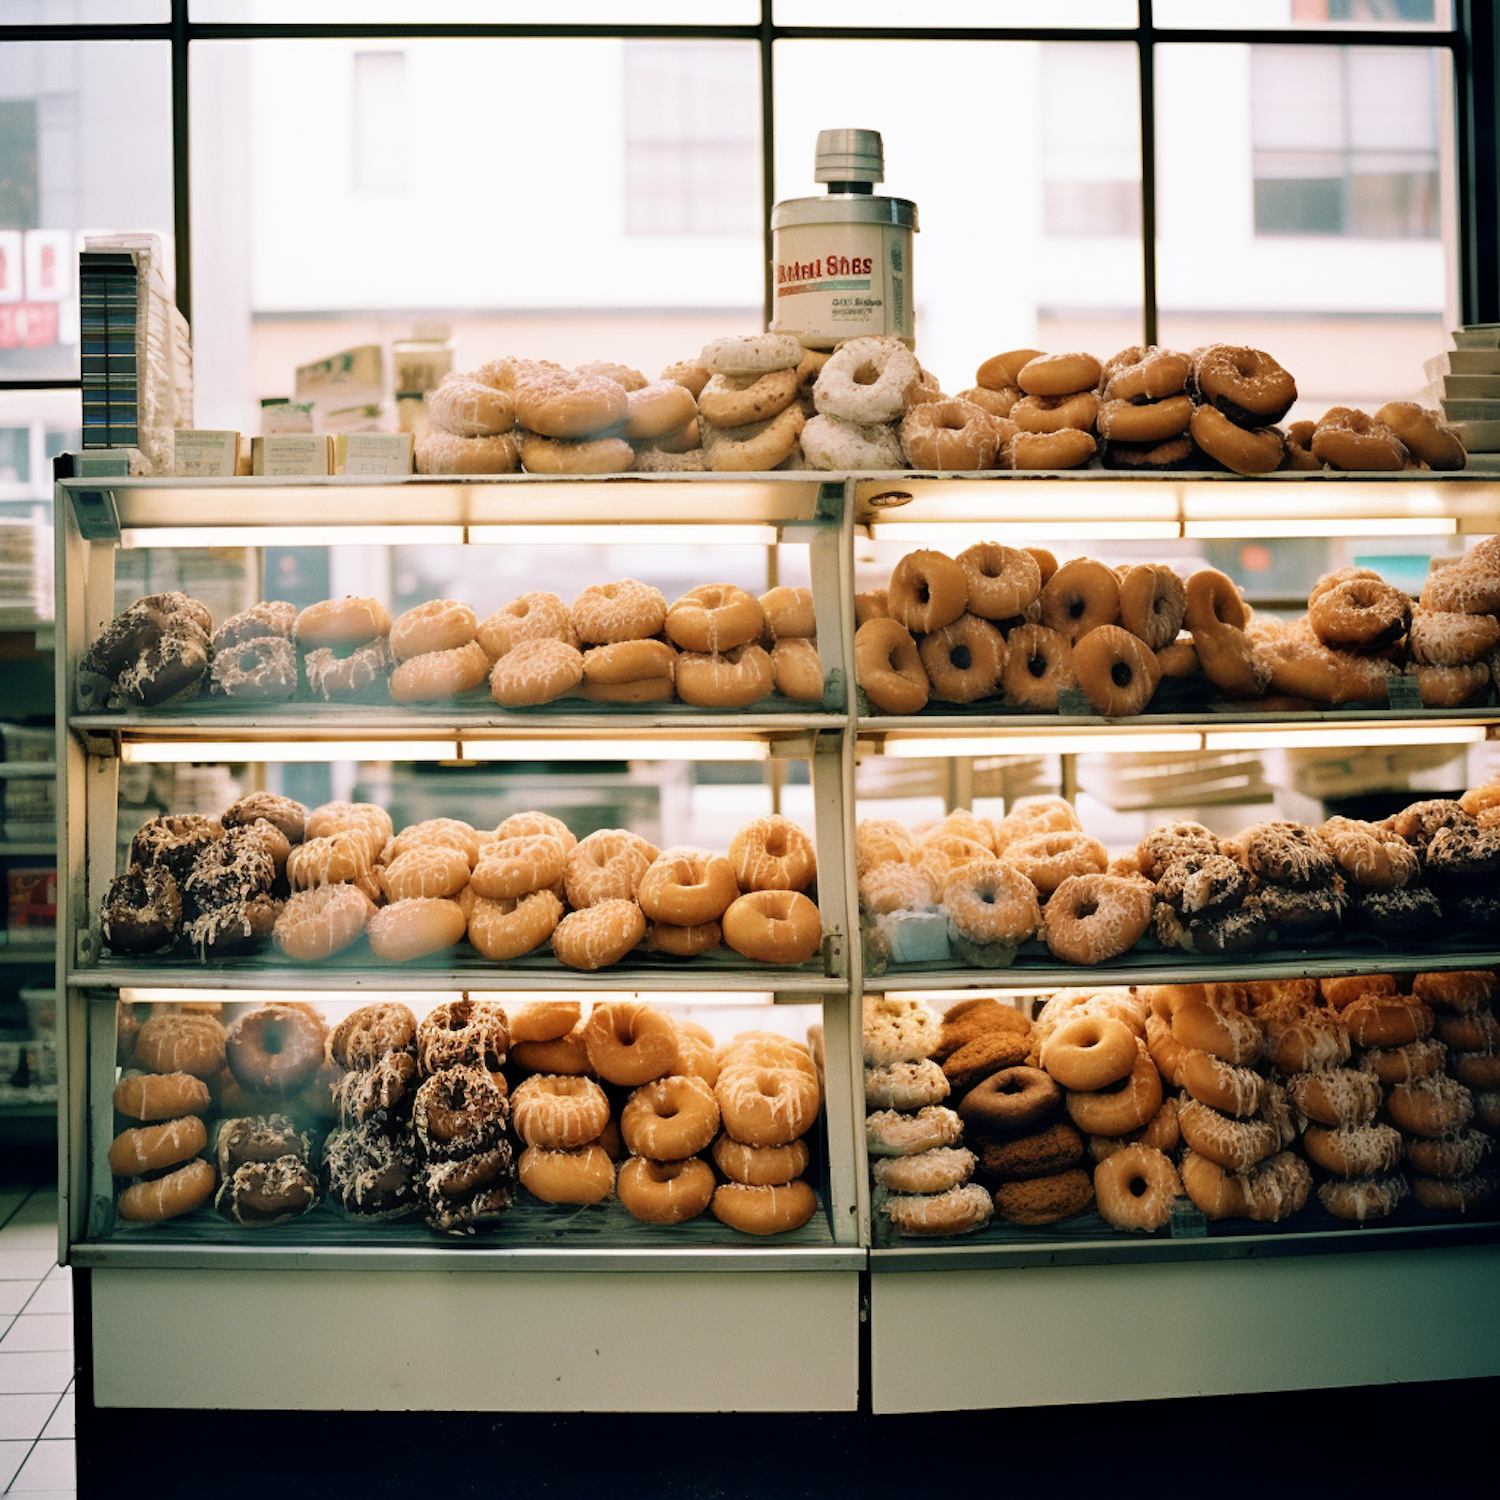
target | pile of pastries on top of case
[
  {"x": 1009, "y": 626},
  {"x": 972, "y": 890},
  {"x": 321, "y": 881},
  {"x": 765, "y": 402},
  {"x": 385, "y": 1117},
  {"x": 1237, "y": 1097},
  {"x": 717, "y": 646}
]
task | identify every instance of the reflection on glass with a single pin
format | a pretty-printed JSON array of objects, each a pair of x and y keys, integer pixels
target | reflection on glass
[
  {"x": 1315, "y": 229},
  {"x": 1232, "y": 15},
  {"x": 1028, "y": 234},
  {"x": 83, "y": 12},
  {"x": 904, "y": 14}
]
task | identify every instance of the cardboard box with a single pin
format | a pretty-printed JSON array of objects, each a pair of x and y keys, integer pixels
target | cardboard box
[
  {"x": 204, "y": 455},
  {"x": 372, "y": 453},
  {"x": 292, "y": 453},
  {"x": 277, "y": 414},
  {"x": 31, "y": 898},
  {"x": 348, "y": 378},
  {"x": 421, "y": 363}
]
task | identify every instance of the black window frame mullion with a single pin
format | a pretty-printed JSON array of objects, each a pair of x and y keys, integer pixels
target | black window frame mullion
[{"x": 1146, "y": 50}]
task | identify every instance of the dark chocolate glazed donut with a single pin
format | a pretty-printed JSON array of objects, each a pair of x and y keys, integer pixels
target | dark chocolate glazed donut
[
  {"x": 142, "y": 911},
  {"x": 1010, "y": 1100}
]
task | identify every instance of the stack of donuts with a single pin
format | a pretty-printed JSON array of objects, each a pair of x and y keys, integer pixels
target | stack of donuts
[
  {"x": 1401, "y": 435},
  {"x": 870, "y": 397},
  {"x": 155, "y": 652},
  {"x": 459, "y": 1115},
  {"x": 264, "y": 1175},
  {"x": 919, "y": 1168}
]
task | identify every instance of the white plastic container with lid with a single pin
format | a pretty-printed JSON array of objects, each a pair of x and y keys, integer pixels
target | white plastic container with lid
[{"x": 843, "y": 262}]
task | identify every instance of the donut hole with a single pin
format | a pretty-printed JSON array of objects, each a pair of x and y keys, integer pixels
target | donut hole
[
  {"x": 867, "y": 374},
  {"x": 1137, "y": 1187},
  {"x": 1120, "y": 674},
  {"x": 961, "y": 657},
  {"x": 1084, "y": 910},
  {"x": 1077, "y": 607},
  {"x": 1037, "y": 666}
]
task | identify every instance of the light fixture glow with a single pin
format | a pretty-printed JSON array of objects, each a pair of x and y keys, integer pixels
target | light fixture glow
[
  {"x": 590, "y": 749},
  {"x": 137, "y": 537},
  {"x": 706, "y": 535},
  {"x": 1326, "y": 526},
  {"x": 1350, "y": 736},
  {"x": 181, "y": 752},
  {"x": 960, "y": 534},
  {"x": 917, "y": 747}
]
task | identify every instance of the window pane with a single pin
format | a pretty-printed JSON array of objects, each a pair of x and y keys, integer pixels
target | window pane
[
  {"x": 494, "y": 12},
  {"x": 909, "y": 13},
  {"x": 85, "y": 147},
  {"x": 619, "y": 228},
  {"x": 83, "y": 12},
  {"x": 1233, "y": 15},
  {"x": 1039, "y": 246},
  {"x": 1301, "y": 237}
]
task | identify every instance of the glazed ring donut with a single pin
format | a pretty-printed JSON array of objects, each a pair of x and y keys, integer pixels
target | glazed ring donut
[
  {"x": 1315, "y": 1039},
  {"x": 606, "y": 865},
  {"x": 629, "y": 1043},
  {"x": 657, "y": 409},
  {"x": 760, "y": 1166},
  {"x": 1038, "y": 664},
  {"x": 1049, "y": 859},
  {"x": 605, "y": 613},
  {"x": 503, "y": 930},
  {"x": 950, "y": 435},
  {"x": 533, "y": 616},
  {"x": 1246, "y": 385},
  {"x": 350, "y": 621},
  {"x": 764, "y": 1210},
  {"x": 317, "y": 923},
  {"x": 714, "y": 618},
  {"x": 415, "y": 928},
  {"x": 518, "y": 866},
  {"x": 470, "y": 408},
  {"x": 1139, "y": 374},
  {"x": 1267, "y": 1191},
  {"x": 867, "y": 380},
  {"x": 566, "y": 1055},
  {"x": 1235, "y": 1145},
  {"x": 1346, "y": 438},
  {"x": 535, "y": 672},
  {"x": 629, "y": 662},
  {"x": 558, "y": 1112},
  {"x": 1403, "y": 1064},
  {"x": 439, "y": 452},
  {"x": 262, "y": 669},
  {"x": 737, "y": 400},
  {"x": 1387, "y": 1021},
  {"x": 767, "y": 1106},
  {"x": 438, "y": 625},
  {"x": 1117, "y": 671},
  {"x": 1230, "y": 1089},
  {"x": 1219, "y": 1029},
  {"x": 888, "y": 1132},
  {"x": 373, "y": 824},
  {"x": 1299, "y": 454},
  {"x": 734, "y": 679},
  {"x": 1134, "y": 1188},
  {"x": 153, "y": 1147},
  {"x": 1362, "y": 614},
  {"x": 440, "y": 674},
  {"x": 687, "y": 887},
  {"x": 330, "y": 860},
  {"x": 756, "y": 448},
  {"x": 179, "y": 1192},
  {"x": 999, "y": 372},
  {"x": 274, "y": 1049},
  {"x": 564, "y": 404},
  {"x": 1424, "y": 433},
  {"x": 330, "y": 676},
  {"x": 1056, "y": 413},
  {"x": 599, "y": 936},
  {"x": 366, "y": 1036},
  {"x": 964, "y": 659},
  {"x": 161, "y": 1096},
  {"x": 1003, "y": 582},
  {"x": 670, "y": 1118},
  {"x": 1353, "y": 1150},
  {"x": 932, "y": 1171},
  {"x": 1058, "y": 374},
  {"x": 954, "y": 1210},
  {"x": 990, "y": 901},
  {"x": 927, "y": 591},
  {"x": 581, "y": 1176},
  {"x": 665, "y": 1192},
  {"x": 1245, "y": 451},
  {"x": 1091, "y": 918},
  {"x": 1066, "y": 449},
  {"x": 453, "y": 833},
  {"x": 1362, "y": 1199},
  {"x": 1121, "y": 1107},
  {"x": 426, "y": 870},
  {"x": 1448, "y": 1156},
  {"x": 1153, "y": 604},
  {"x": 1217, "y": 617},
  {"x": 1456, "y": 1196},
  {"x": 772, "y": 854},
  {"x": 1432, "y": 1106},
  {"x": 543, "y": 1020},
  {"x": 1090, "y": 1052},
  {"x": 905, "y": 1085},
  {"x": 773, "y": 927},
  {"x": 1081, "y": 596},
  {"x": 789, "y": 613},
  {"x": 1450, "y": 687},
  {"x": 888, "y": 666}
]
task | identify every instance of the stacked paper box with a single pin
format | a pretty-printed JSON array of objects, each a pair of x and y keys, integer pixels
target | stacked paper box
[{"x": 1465, "y": 382}]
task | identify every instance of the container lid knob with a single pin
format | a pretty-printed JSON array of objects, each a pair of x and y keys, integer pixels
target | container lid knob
[{"x": 849, "y": 156}]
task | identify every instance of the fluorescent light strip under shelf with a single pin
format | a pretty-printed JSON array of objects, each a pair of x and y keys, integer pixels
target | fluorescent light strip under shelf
[
  {"x": 420, "y": 1001},
  {"x": 623, "y": 535},
  {"x": 1289, "y": 526},
  {"x": 138, "y": 537},
  {"x": 1315, "y": 736},
  {"x": 180, "y": 752}
]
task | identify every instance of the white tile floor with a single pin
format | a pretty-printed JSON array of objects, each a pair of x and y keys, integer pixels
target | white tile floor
[{"x": 36, "y": 1350}]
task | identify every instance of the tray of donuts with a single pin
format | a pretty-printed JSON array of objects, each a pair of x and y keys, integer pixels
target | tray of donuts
[
  {"x": 272, "y": 877},
  {"x": 981, "y": 892},
  {"x": 617, "y": 644},
  {"x": 1011, "y": 630}
]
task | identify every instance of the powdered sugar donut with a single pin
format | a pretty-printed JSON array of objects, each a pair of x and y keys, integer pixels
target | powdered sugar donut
[
  {"x": 867, "y": 380},
  {"x": 830, "y": 443},
  {"x": 753, "y": 354}
]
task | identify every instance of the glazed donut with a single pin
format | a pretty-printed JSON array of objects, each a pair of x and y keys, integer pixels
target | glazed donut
[
  {"x": 1117, "y": 671},
  {"x": 1439, "y": 1195},
  {"x": 954, "y": 1210},
  {"x": 1056, "y": 413},
  {"x": 1121, "y": 1107},
  {"x": 606, "y": 613},
  {"x": 1091, "y": 918},
  {"x": 1160, "y": 1133},
  {"x": 564, "y": 404},
  {"x": 463, "y": 1033},
  {"x": 715, "y": 617},
  {"x": 670, "y": 1118},
  {"x": 756, "y": 447},
  {"x": 764, "y": 1210},
  {"x": 1362, "y": 613},
  {"x": 533, "y": 616},
  {"x": 332, "y": 859},
  {"x": 765, "y": 1049},
  {"x": 582, "y": 1175},
  {"x": 181, "y": 1042},
  {"x": 989, "y": 901},
  {"x": 934, "y": 1171},
  {"x": 373, "y": 824},
  {"x": 1227, "y": 1088},
  {"x": 1450, "y": 687},
  {"x": 1081, "y": 596},
  {"x": 331, "y": 676},
  {"x": 867, "y": 380},
  {"x": 607, "y": 865},
  {"x": 1387, "y": 1021},
  {"x": 888, "y": 1132},
  {"x": 629, "y": 1043},
  {"x": 964, "y": 659},
  {"x": 1268, "y": 1191},
  {"x": 507, "y": 929},
  {"x": 415, "y": 928},
  {"x": 1244, "y": 450},
  {"x": 665, "y": 1192},
  {"x": 598, "y": 936},
  {"x": 452, "y": 833},
  {"x": 470, "y": 408},
  {"x": 1450, "y": 638},
  {"x": 1362, "y": 1199},
  {"x": 1235, "y": 1145},
  {"x": 567, "y": 1055},
  {"x": 1246, "y": 385},
  {"x": 535, "y": 672},
  {"x": 687, "y": 887},
  {"x": 1206, "y": 1025},
  {"x": 1350, "y": 439},
  {"x": 425, "y": 870},
  {"x": 1447, "y": 1156},
  {"x": 736, "y": 400},
  {"x": 558, "y": 1112},
  {"x": 517, "y": 866},
  {"x": 1299, "y": 454},
  {"x": 760, "y": 1166},
  {"x": 1433, "y": 1106},
  {"x": 439, "y": 452},
  {"x": 682, "y": 942},
  {"x": 772, "y": 854},
  {"x": 372, "y": 1032},
  {"x": 1424, "y": 434},
  {"x": 350, "y": 621},
  {"x": 179, "y": 1192},
  {"x": 905, "y": 1085},
  {"x": 1048, "y": 859},
  {"x": 1002, "y": 581},
  {"x": 161, "y": 1096},
  {"x": 896, "y": 1030},
  {"x": 831, "y": 444},
  {"x": 274, "y": 1049},
  {"x": 1134, "y": 1188},
  {"x": 654, "y": 410},
  {"x": 1153, "y": 604},
  {"x": 438, "y": 625},
  {"x": 888, "y": 666},
  {"x": 153, "y": 1147},
  {"x": 543, "y": 1021},
  {"x": 1138, "y": 374},
  {"x": 440, "y": 674},
  {"x": 1369, "y": 856},
  {"x": 766, "y": 1105},
  {"x": 1038, "y": 664},
  {"x": 789, "y": 613},
  {"x": 1065, "y": 449},
  {"x": 1353, "y": 1150},
  {"x": 1403, "y": 1064},
  {"x": 1089, "y": 1052},
  {"x": 999, "y": 372},
  {"x": 1217, "y": 617},
  {"x": 950, "y": 435},
  {"x": 1314, "y": 1040},
  {"x": 1057, "y": 374},
  {"x": 1011, "y": 1099},
  {"x": 773, "y": 927},
  {"x": 269, "y": 617},
  {"x": 733, "y": 679},
  {"x": 797, "y": 670},
  {"x": 927, "y": 591},
  {"x": 626, "y": 662}
]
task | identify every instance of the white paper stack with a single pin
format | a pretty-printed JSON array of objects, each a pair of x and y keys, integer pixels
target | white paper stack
[
  {"x": 25, "y": 572},
  {"x": 1465, "y": 382}
]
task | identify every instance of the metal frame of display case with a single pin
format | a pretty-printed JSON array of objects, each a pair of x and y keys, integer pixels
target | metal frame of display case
[{"x": 1056, "y": 1293}]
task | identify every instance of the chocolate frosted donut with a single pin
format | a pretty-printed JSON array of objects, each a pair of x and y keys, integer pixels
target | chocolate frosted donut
[
  {"x": 261, "y": 1193},
  {"x": 457, "y": 1113},
  {"x": 471, "y": 1033},
  {"x": 1420, "y": 822},
  {"x": 259, "y": 1138},
  {"x": 174, "y": 842},
  {"x": 142, "y": 911},
  {"x": 281, "y": 812},
  {"x": 371, "y": 1175},
  {"x": 261, "y": 670},
  {"x": 1286, "y": 852},
  {"x": 170, "y": 669},
  {"x": 365, "y": 1036},
  {"x": 1204, "y": 885},
  {"x": 220, "y": 931},
  {"x": 379, "y": 1095},
  {"x": 1171, "y": 842},
  {"x": 229, "y": 871},
  {"x": 1010, "y": 1100},
  {"x": 1409, "y": 910},
  {"x": 1303, "y": 913}
]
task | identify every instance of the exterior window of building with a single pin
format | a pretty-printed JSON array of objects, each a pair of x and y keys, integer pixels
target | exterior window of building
[
  {"x": 380, "y": 118},
  {"x": 692, "y": 139},
  {"x": 1345, "y": 142},
  {"x": 1091, "y": 177}
]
